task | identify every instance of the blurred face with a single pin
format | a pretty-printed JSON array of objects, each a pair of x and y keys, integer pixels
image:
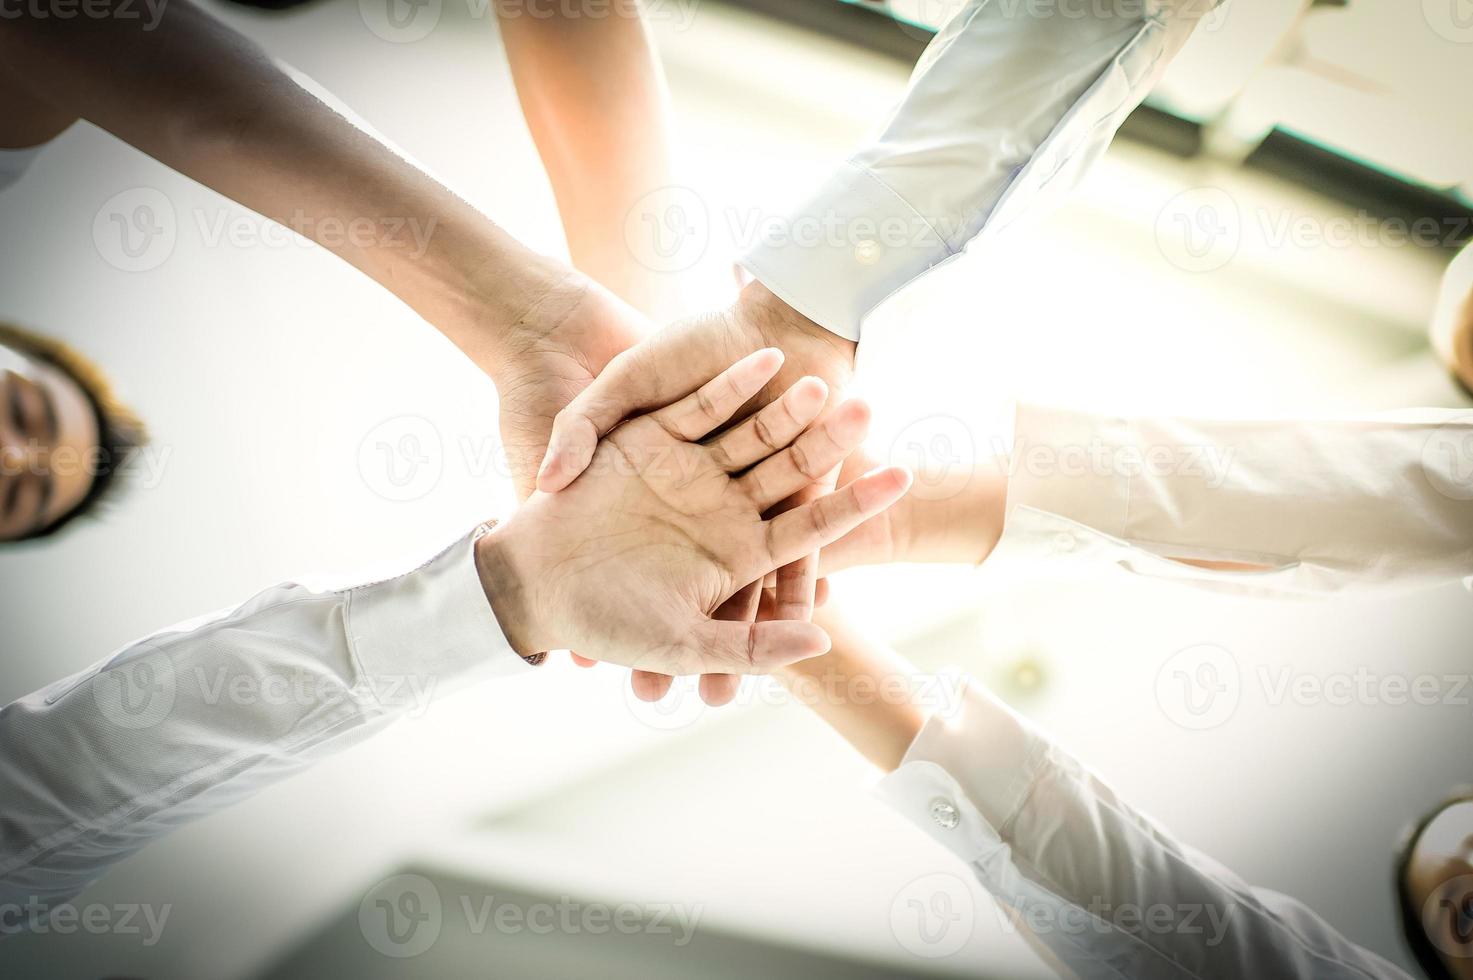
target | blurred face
[
  {"x": 48, "y": 444},
  {"x": 1441, "y": 881}
]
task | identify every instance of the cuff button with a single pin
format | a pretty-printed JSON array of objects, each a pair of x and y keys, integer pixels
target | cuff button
[{"x": 944, "y": 813}]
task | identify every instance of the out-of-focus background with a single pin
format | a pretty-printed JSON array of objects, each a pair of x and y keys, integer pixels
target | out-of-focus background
[{"x": 1237, "y": 253}]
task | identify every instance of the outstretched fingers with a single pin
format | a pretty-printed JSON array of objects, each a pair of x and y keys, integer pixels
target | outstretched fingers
[
  {"x": 668, "y": 365},
  {"x": 716, "y": 401},
  {"x": 773, "y": 428},
  {"x": 813, "y": 455},
  {"x": 808, "y": 528}
]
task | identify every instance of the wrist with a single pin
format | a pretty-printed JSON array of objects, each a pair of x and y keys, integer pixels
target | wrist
[
  {"x": 484, "y": 286},
  {"x": 954, "y": 517},
  {"x": 778, "y": 322},
  {"x": 509, "y": 588}
]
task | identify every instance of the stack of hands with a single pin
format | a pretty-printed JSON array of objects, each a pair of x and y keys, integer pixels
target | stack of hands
[{"x": 676, "y": 491}]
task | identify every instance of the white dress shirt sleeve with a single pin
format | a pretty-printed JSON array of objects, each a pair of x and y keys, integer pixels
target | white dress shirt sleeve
[
  {"x": 1104, "y": 890},
  {"x": 15, "y": 163},
  {"x": 1010, "y": 103},
  {"x": 1321, "y": 505},
  {"x": 196, "y": 717}
]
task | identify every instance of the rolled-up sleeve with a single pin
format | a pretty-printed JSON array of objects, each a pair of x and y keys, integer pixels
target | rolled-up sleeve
[
  {"x": 1009, "y": 105},
  {"x": 196, "y": 717},
  {"x": 1318, "y": 505}
]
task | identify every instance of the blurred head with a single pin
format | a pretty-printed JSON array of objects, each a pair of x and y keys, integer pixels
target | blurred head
[
  {"x": 63, "y": 436},
  {"x": 1434, "y": 887}
]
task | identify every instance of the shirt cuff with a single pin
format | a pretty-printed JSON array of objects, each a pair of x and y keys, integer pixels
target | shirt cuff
[
  {"x": 967, "y": 774},
  {"x": 433, "y": 625},
  {"x": 846, "y": 250}
]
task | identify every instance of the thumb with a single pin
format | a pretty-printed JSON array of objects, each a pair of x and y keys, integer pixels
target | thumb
[
  {"x": 756, "y": 648},
  {"x": 660, "y": 371},
  {"x": 587, "y": 418}
]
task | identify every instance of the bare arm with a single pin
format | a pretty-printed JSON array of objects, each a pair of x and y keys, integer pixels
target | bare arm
[
  {"x": 202, "y": 99},
  {"x": 594, "y": 97},
  {"x": 879, "y": 727}
]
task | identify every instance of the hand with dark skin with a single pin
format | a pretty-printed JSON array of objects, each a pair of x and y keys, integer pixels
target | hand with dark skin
[{"x": 206, "y": 101}]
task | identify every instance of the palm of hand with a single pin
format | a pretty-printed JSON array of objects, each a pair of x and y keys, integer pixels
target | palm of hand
[{"x": 678, "y": 528}]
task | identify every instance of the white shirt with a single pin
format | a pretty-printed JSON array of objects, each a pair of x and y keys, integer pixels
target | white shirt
[
  {"x": 1009, "y": 105},
  {"x": 1105, "y": 892},
  {"x": 1383, "y": 502},
  {"x": 15, "y": 163},
  {"x": 203, "y": 714},
  {"x": 196, "y": 717}
]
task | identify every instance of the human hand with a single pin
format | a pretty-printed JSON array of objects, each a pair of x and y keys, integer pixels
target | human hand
[
  {"x": 672, "y": 363},
  {"x": 545, "y": 356},
  {"x": 631, "y": 561},
  {"x": 676, "y": 360},
  {"x": 955, "y": 517}
]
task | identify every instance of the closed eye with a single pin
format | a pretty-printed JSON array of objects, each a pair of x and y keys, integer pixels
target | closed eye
[
  {"x": 17, "y": 404},
  {"x": 12, "y": 495}
]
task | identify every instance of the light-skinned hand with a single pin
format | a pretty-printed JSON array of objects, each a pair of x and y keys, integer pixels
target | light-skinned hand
[
  {"x": 630, "y": 563},
  {"x": 674, "y": 362}
]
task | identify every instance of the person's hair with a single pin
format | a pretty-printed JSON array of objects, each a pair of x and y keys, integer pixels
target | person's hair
[
  {"x": 1409, "y": 911},
  {"x": 120, "y": 432}
]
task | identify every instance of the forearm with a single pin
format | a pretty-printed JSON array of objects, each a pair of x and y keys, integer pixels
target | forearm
[
  {"x": 199, "y": 716},
  {"x": 1049, "y": 840},
  {"x": 1007, "y": 109},
  {"x": 595, "y": 100},
  {"x": 204, "y": 100},
  {"x": 862, "y": 689},
  {"x": 1382, "y": 501}
]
